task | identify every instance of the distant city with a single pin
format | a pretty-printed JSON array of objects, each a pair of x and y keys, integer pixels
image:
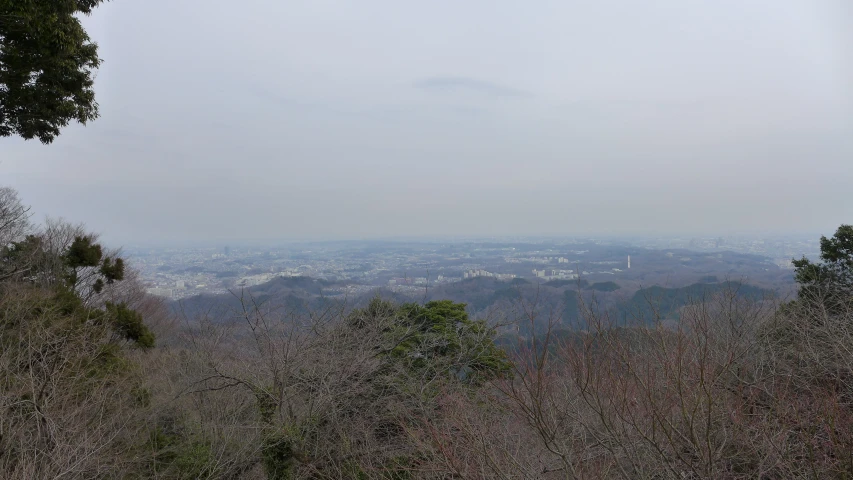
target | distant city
[{"x": 362, "y": 266}]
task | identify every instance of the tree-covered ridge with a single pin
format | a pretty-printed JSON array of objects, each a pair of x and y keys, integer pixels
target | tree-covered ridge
[
  {"x": 662, "y": 303},
  {"x": 79, "y": 360},
  {"x": 715, "y": 381},
  {"x": 605, "y": 286}
]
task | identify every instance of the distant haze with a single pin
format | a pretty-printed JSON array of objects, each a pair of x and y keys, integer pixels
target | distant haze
[{"x": 258, "y": 119}]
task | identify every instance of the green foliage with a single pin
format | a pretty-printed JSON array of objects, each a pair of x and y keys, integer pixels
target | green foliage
[
  {"x": 435, "y": 320},
  {"x": 59, "y": 273},
  {"x": 194, "y": 460},
  {"x": 17, "y": 258},
  {"x": 47, "y": 61},
  {"x": 129, "y": 325},
  {"x": 64, "y": 316},
  {"x": 179, "y": 454},
  {"x": 69, "y": 302},
  {"x": 442, "y": 330},
  {"x": 112, "y": 269},
  {"x": 266, "y": 405},
  {"x": 81, "y": 267},
  {"x": 436, "y": 334},
  {"x": 278, "y": 455},
  {"x": 830, "y": 282},
  {"x": 107, "y": 361},
  {"x": 124, "y": 321},
  {"x": 142, "y": 396},
  {"x": 83, "y": 252},
  {"x": 16, "y": 251},
  {"x": 376, "y": 309}
]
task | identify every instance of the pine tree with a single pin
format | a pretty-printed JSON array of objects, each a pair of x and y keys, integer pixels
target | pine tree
[{"x": 829, "y": 282}]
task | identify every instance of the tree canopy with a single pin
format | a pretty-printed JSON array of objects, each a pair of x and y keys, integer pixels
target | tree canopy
[
  {"x": 47, "y": 62},
  {"x": 829, "y": 282},
  {"x": 438, "y": 334}
]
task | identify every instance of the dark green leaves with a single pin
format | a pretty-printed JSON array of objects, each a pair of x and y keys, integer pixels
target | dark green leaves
[
  {"x": 437, "y": 336},
  {"x": 129, "y": 325},
  {"x": 444, "y": 335},
  {"x": 46, "y": 67},
  {"x": 830, "y": 282},
  {"x": 83, "y": 253},
  {"x": 112, "y": 270}
]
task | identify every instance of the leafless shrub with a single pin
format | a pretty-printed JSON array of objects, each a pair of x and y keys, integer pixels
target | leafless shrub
[
  {"x": 67, "y": 400},
  {"x": 734, "y": 389}
]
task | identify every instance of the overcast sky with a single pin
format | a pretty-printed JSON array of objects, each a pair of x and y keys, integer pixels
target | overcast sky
[{"x": 264, "y": 119}]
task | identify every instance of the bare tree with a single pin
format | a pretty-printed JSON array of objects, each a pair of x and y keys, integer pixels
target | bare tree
[{"x": 14, "y": 217}]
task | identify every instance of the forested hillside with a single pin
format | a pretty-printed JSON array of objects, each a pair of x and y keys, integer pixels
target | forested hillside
[
  {"x": 713, "y": 380},
  {"x": 710, "y": 378},
  {"x": 488, "y": 298}
]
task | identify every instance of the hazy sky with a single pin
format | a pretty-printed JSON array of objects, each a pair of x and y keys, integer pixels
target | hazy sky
[{"x": 264, "y": 119}]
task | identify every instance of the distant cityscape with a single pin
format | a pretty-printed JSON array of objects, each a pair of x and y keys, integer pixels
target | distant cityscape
[{"x": 412, "y": 266}]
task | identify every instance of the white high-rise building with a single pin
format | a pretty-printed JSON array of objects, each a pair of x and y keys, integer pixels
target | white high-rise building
[{"x": 629, "y": 262}]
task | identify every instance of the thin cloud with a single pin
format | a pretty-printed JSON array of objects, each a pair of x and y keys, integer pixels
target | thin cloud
[{"x": 465, "y": 84}]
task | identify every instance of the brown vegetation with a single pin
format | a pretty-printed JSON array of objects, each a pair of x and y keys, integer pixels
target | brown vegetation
[{"x": 738, "y": 387}]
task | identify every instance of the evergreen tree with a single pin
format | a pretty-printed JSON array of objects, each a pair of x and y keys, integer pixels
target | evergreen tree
[
  {"x": 47, "y": 62},
  {"x": 829, "y": 282},
  {"x": 438, "y": 335}
]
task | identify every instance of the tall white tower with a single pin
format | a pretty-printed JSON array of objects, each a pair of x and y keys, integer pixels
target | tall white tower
[{"x": 629, "y": 262}]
